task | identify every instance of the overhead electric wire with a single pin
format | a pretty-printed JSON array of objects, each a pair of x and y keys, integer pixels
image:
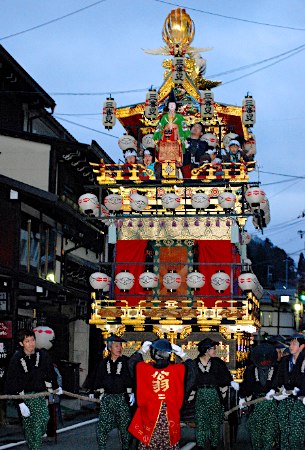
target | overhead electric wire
[
  {"x": 51, "y": 21},
  {"x": 262, "y": 68},
  {"x": 88, "y": 128},
  {"x": 258, "y": 62},
  {"x": 231, "y": 17}
]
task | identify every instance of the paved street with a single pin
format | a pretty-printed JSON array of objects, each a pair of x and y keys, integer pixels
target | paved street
[{"x": 84, "y": 438}]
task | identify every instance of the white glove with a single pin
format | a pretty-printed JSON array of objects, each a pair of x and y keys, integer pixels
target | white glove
[
  {"x": 91, "y": 396},
  {"x": 235, "y": 385},
  {"x": 101, "y": 392},
  {"x": 270, "y": 394},
  {"x": 242, "y": 403},
  {"x": 58, "y": 391},
  {"x": 303, "y": 400},
  {"x": 191, "y": 396},
  {"x": 49, "y": 387},
  {"x": 295, "y": 391},
  {"x": 178, "y": 351},
  {"x": 24, "y": 410},
  {"x": 281, "y": 396},
  {"x": 145, "y": 347},
  {"x": 131, "y": 399}
]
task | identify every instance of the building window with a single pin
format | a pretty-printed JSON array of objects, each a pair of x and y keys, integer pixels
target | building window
[{"x": 38, "y": 248}]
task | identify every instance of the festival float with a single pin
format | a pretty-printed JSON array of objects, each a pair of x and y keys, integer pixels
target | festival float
[{"x": 175, "y": 260}]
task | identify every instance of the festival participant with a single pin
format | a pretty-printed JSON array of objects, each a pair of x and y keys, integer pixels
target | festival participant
[
  {"x": 260, "y": 381},
  {"x": 291, "y": 409},
  {"x": 235, "y": 154},
  {"x": 31, "y": 371},
  {"x": 160, "y": 389},
  {"x": 195, "y": 147},
  {"x": 113, "y": 383},
  {"x": 212, "y": 382},
  {"x": 171, "y": 133}
]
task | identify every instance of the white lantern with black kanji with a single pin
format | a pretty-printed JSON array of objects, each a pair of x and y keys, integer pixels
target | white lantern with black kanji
[
  {"x": 247, "y": 281},
  {"x": 255, "y": 196},
  {"x": 109, "y": 109},
  {"x": 44, "y": 337},
  {"x": 172, "y": 281},
  {"x": 248, "y": 111},
  {"x": 138, "y": 202},
  {"x": 195, "y": 280},
  {"x": 178, "y": 70},
  {"x": 220, "y": 281},
  {"x": 151, "y": 105},
  {"x": 170, "y": 200},
  {"x": 99, "y": 280},
  {"x": 113, "y": 202},
  {"x": 148, "y": 280},
  {"x": 206, "y": 104},
  {"x": 89, "y": 204},
  {"x": 124, "y": 280},
  {"x": 227, "y": 200},
  {"x": 200, "y": 200}
]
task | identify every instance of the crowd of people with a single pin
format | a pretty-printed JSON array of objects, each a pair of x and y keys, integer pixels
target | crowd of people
[{"x": 144, "y": 399}]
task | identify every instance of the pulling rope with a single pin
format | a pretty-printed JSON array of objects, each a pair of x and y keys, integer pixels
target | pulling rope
[{"x": 46, "y": 394}]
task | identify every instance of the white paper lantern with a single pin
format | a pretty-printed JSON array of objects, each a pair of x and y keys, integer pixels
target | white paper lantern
[
  {"x": 148, "y": 280},
  {"x": 172, "y": 281},
  {"x": 195, "y": 280},
  {"x": 99, "y": 280},
  {"x": 148, "y": 141},
  {"x": 113, "y": 202},
  {"x": 250, "y": 146},
  {"x": 124, "y": 280},
  {"x": 210, "y": 138},
  {"x": 228, "y": 138},
  {"x": 246, "y": 237},
  {"x": 170, "y": 201},
  {"x": 151, "y": 105},
  {"x": 44, "y": 337},
  {"x": 109, "y": 109},
  {"x": 206, "y": 104},
  {"x": 247, "y": 281},
  {"x": 264, "y": 205},
  {"x": 126, "y": 142},
  {"x": 178, "y": 70},
  {"x": 200, "y": 200},
  {"x": 255, "y": 196},
  {"x": 138, "y": 202},
  {"x": 220, "y": 281},
  {"x": 89, "y": 204},
  {"x": 248, "y": 111},
  {"x": 227, "y": 200}
]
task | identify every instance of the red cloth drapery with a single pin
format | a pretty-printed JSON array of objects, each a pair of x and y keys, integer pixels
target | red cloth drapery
[{"x": 130, "y": 255}]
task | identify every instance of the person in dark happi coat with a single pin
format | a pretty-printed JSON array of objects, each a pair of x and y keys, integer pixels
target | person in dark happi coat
[
  {"x": 31, "y": 371},
  {"x": 260, "y": 380},
  {"x": 291, "y": 408},
  {"x": 212, "y": 383},
  {"x": 114, "y": 385}
]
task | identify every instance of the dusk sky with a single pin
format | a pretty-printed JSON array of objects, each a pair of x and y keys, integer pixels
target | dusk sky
[{"x": 81, "y": 58}]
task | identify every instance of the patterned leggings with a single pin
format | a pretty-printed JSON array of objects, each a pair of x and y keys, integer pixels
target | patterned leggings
[
  {"x": 114, "y": 413},
  {"x": 35, "y": 426},
  {"x": 291, "y": 417},
  {"x": 263, "y": 425},
  {"x": 208, "y": 416}
]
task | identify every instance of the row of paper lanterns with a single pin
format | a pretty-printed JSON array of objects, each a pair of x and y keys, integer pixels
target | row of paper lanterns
[
  {"x": 172, "y": 280},
  {"x": 170, "y": 201},
  {"x": 207, "y": 104}
]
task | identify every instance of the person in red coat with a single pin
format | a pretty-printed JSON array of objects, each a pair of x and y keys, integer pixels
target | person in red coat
[{"x": 160, "y": 388}]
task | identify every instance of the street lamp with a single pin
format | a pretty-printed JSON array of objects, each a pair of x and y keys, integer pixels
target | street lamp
[{"x": 297, "y": 308}]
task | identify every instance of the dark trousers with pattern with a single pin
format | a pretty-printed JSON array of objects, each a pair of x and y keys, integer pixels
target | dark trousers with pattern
[
  {"x": 209, "y": 414},
  {"x": 35, "y": 426},
  {"x": 114, "y": 413},
  {"x": 291, "y": 417},
  {"x": 263, "y": 425}
]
